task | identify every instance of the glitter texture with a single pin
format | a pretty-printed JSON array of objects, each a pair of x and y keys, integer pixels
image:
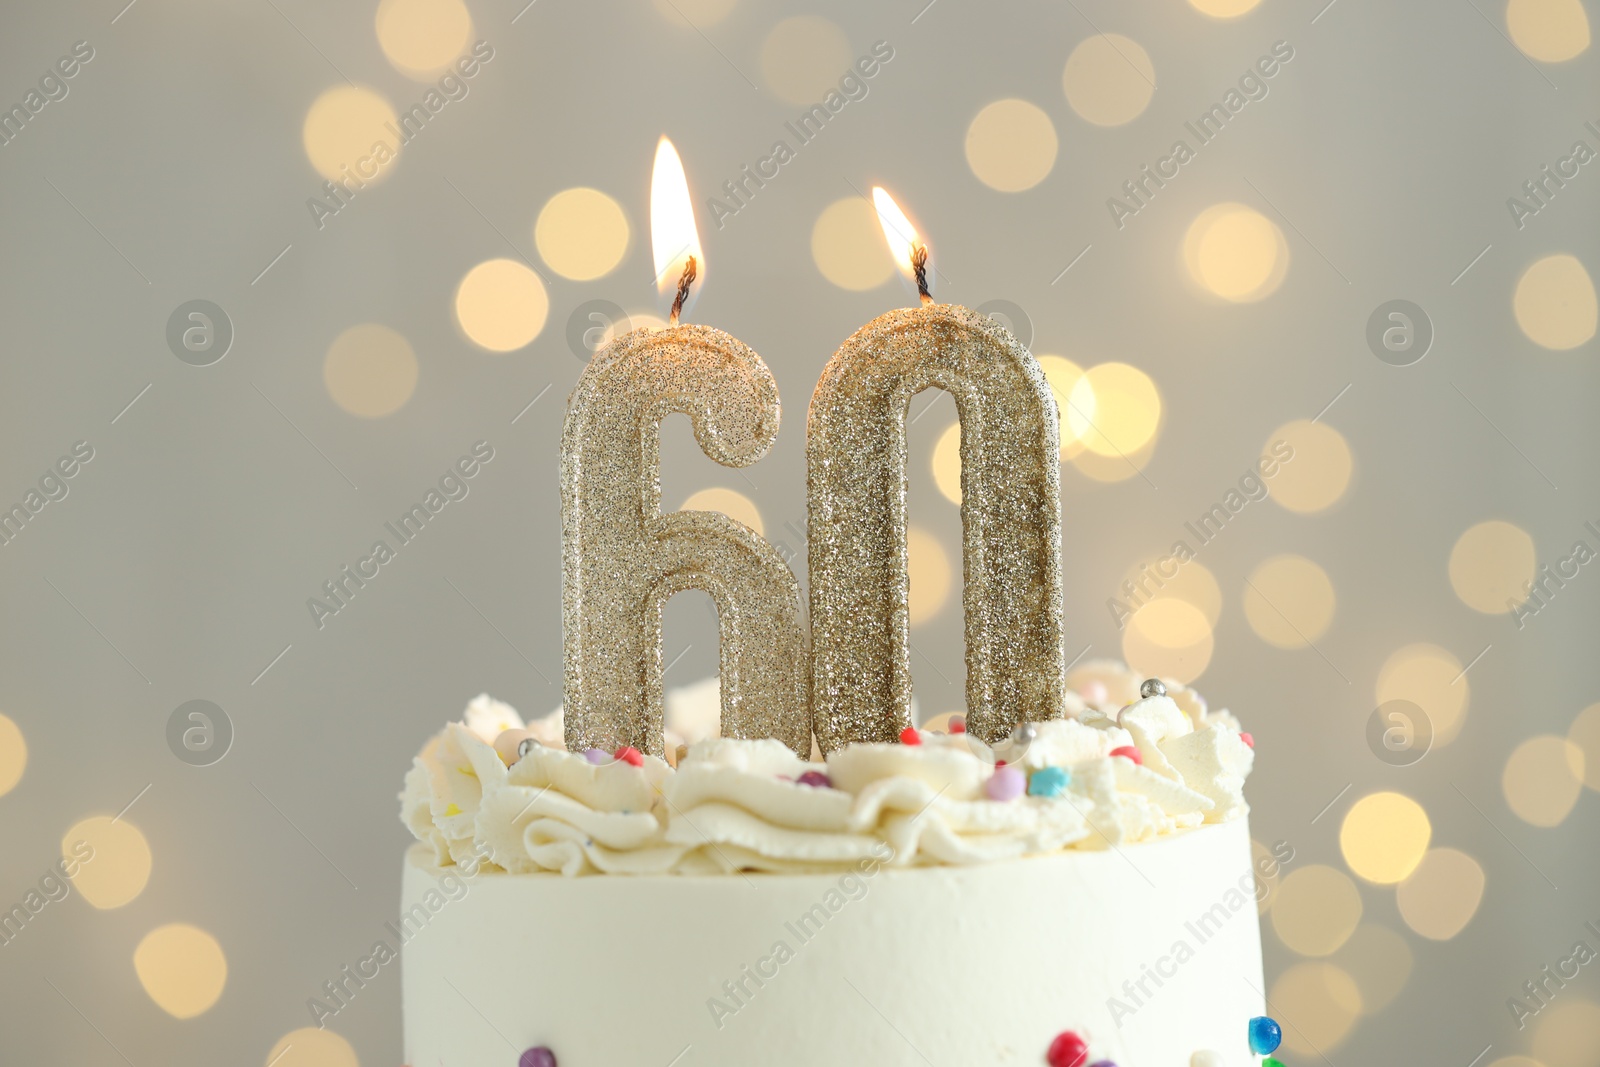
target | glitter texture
[
  {"x": 1010, "y": 513},
  {"x": 622, "y": 558}
]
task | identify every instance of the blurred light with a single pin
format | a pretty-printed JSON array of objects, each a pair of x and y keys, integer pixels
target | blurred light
[
  {"x": 1224, "y": 9},
  {"x": 1318, "y": 473},
  {"x": 1152, "y": 579},
  {"x": 1442, "y": 895},
  {"x": 1555, "y": 303},
  {"x": 1153, "y": 660},
  {"x": 848, "y": 248},
  {"x": 182, "y": 968},
  {"x": 343, "y": 126},
  {"x": 311, "y": 1047},
  {"x": 1289, "y": 601},
  {"x": 1317, "y": 910},
  {"x": 1114, "y": 409},
  {"x": 118, "y": 867},
  {"x": 733, "y": 504},
  {"x": 1171, "y": 623},
  {"x": 1516, "y": 1061},
  {"x": 930, "y": 575},
  {"x": 1011, "y": 145},
  {"x": 802, "y": 59},
  {"x": 635, "y": 320},
  {"x": 674, "y": 237},
  {"x": 1490, "y": 566},
  {"x": 1109, "y": 79},
  {"x": 1380, "y": 962},
  {"x": 1567, "y": 1033},
  {"x": 1064, "y": 376},
  {"x": 1430, "y": 678},
  {"x": 1585, "y": 733},
  {"x": 1318, "y": 1004},
  {"x": 1384, "y": 837},
  {"x": 370, "y": 371},
  {"x": 1113, "y": 468},
  {"x": 1550, "y": 31},
  {"x": 1235, "y": 252},
  {"x": 582, "y": 234},
  {"x": 423, "y": 38},
  {"x": 13, "y": 755},
  {"x": 501, "y": 305},
  {"x": 1543, "y": 778},
  {"x": 1268, "y": 872},
  {"x": 698, "y": 13},
  {"x": 947, "y": 463}
]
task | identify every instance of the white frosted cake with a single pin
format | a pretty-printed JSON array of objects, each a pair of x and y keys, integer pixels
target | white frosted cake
[{"x": 1082, "y": 892}]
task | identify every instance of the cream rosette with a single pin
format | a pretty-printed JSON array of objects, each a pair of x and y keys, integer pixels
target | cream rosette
[{"x": 443, "y": 788}]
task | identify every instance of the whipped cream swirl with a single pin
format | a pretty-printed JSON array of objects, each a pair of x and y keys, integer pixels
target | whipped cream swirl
[{"x": 731, "y": 805}]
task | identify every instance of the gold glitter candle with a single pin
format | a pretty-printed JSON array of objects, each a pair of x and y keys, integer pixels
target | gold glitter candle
[
  {"x": 1010, "y": 514},
  {"x": 623, "y": 559}
]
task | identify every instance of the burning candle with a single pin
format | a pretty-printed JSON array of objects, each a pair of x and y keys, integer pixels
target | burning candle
[
  {"x": 622, "y": 558},
  {"x": 1010, "y": 514}
]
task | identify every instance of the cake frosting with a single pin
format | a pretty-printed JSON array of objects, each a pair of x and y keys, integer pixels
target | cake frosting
[{"x": 1161, "y": 765}]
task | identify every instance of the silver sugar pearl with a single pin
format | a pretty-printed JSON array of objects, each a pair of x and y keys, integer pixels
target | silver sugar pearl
[
  {"x": 1024, "y": 733},
  {"x": 1152, "y": 687},
  {"x": 525, "y": 746}
]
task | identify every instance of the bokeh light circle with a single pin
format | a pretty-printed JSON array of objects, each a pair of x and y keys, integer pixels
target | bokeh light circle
[
  {"x": 112, "y": 859},
  {"x": 423, "y": 38},
  {"x": 1289, "y": 601},
  {"x": 1114, "y": 409},
  {"x": 847, "y": 245},
  {"x": 1318, "y": 473},
  {"x": 1555, "y": 303},
  {"x": 1109, "y": 79},
  {"x": 1432, "y": 679},
  {"x": 182, "y": 968},
  {"x": 1011, "y": 145},
  {"x": 501, "y": 305},
  {"x": 929, "y": 566},
  {"x": 343, "y": 127},
  {"x": 731, "y": 503},
  {"x": 13, "y": 755},
  {"x": 1543, "y": 779},
  {"x": 581, "y": 233},
  {"x": 1234, "y": 252},
  {"x": 1550, "y": 31},
  {"x": 1384, "y": 837},
  {"x": 1442, "y": 895},
  {"x": 803, "y": 58},
  {"x": 370, "y": 370},
  {"x": 1316, "y": 911},
  {"x": 1490, "y": 566}
]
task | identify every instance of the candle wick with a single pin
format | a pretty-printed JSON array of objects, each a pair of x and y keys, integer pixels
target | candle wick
[
  {"x": 919, "y": 264},
  {"x": 684, "y": 282}
]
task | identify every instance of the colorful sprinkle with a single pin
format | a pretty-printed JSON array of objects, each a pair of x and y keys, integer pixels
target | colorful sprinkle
[
  {"x": 909, "y": 736},
  {"x": 1247, "y": 739},
  {"x": 1007, "y": 783},
  {"x": 631, "y": 756},
  {"x": 816, "y": 780},
  {"x": 595, "y": 756},
  {"x": 1265, "y": 1035},
  {"x": 1048, "y": 782},
  {"x": 537, "y": 1057},
  {"x": 958, "y": 725},
  {"x": 1103, "y": 1063},
  {"x": 452, "y": 810},
  {"x": 1067, "y": 1050},
  {"x": 1128, "y": 752},
  {"x": 1271, "y": 1062}
]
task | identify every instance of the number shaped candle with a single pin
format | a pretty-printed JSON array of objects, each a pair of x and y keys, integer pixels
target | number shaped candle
[
  {"x": 622, "y": 558},
  {"x": 1010, "y": 512}
]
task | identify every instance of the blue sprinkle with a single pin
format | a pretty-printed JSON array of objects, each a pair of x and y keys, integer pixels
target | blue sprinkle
[
  {"x": 1048, "y": 782},
  {"x": 1265, "y": 1035}
]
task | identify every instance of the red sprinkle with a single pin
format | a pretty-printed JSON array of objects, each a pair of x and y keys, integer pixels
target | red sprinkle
[
  {"x": 1067, "y": 1050},
  {"x": 957, "y": 726},
  {"x": 1247, "y": 739},
  {"x": 1128, "y": 752},
  {"x": 909, "y": 736},
  {"x": 631, "y": 756}
]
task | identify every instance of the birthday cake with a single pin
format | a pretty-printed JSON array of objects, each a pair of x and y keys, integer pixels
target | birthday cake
[{"x": 1085, "y": 888}]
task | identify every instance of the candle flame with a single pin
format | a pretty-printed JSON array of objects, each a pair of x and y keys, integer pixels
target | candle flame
[
  {"x": 674, "y": 240},
  {"x": 906, "y": 247}
]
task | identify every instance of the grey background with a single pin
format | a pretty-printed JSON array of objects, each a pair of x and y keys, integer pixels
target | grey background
[{"x": 183, "y": 556}]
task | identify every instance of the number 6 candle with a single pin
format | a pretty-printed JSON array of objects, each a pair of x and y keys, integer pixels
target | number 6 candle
[
  {"x": 856, "y": 533},
  {"x": 622, "y": 558}
]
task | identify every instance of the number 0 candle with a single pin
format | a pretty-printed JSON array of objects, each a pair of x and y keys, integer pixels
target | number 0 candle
[
  {"x": 623, "y": 558},
  {"x": 1010, "y": 513}
]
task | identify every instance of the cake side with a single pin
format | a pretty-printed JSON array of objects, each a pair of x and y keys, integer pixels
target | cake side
[{"x": 1152, "y": 953}]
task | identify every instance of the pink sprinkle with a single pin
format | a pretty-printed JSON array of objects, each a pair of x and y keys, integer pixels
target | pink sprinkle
[
  {"x": 909, "y": 736},
  {"x": 631, "y": 756},
  {"x": 1247, "y": 739},
  {"x": 1007, "y": 783},
  {"x": 1128, "y": 752},
  {"x": 958, "y": 726}
]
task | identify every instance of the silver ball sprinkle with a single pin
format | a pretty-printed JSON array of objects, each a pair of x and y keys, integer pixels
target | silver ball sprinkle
[
  {"x": 1152, "y": 687},
  {"x": 1024, "y": 733},
  {"x": 525, "y": 746}
]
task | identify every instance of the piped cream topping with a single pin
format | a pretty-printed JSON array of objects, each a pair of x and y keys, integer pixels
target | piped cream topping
[{"x": 736, "y": 805}]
